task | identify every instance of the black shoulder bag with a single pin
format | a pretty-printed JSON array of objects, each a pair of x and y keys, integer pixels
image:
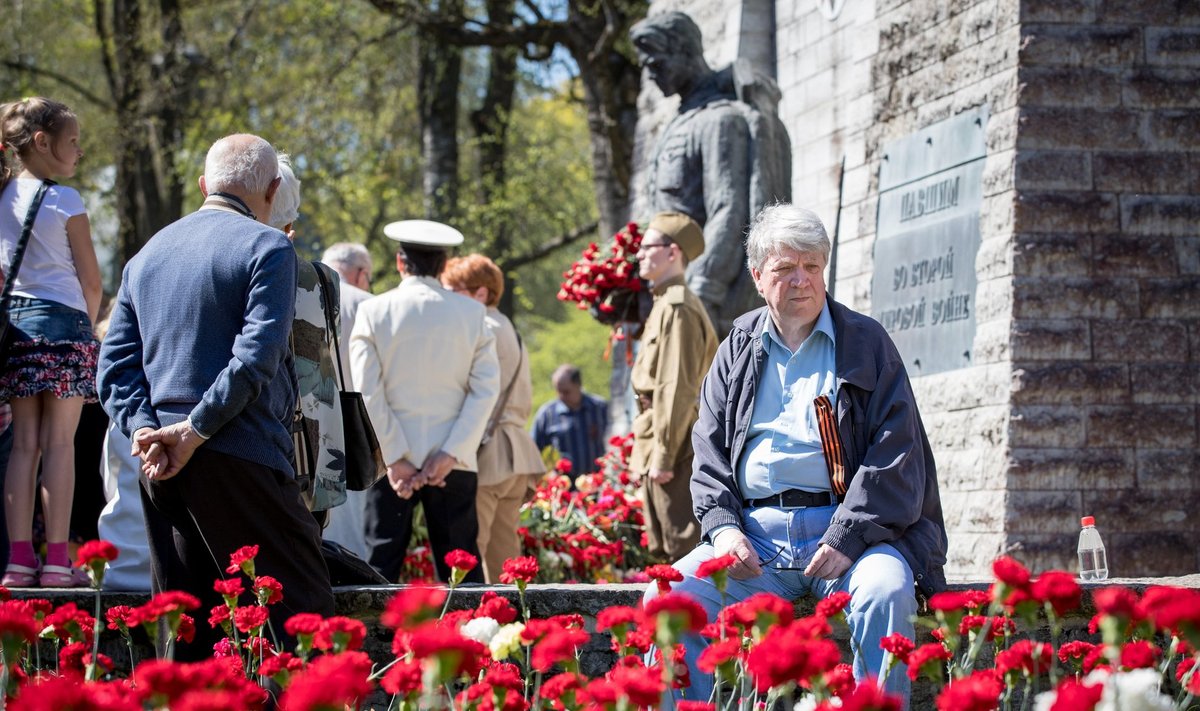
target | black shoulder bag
[
  {"x": 7, "y": 336},
  {"x": 364, "y": 460}
]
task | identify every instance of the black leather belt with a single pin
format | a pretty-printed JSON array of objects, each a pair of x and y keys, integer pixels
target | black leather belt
[{"x": 796, "y": 499}]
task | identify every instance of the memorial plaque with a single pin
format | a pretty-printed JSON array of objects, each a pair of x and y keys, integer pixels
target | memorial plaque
[{"x": 927, "y": 236}]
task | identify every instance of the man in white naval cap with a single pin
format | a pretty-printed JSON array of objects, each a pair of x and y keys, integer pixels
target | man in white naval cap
[{"x": 426, "y": 364}]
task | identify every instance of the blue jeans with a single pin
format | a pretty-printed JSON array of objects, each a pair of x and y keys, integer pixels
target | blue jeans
[
  {"x": 880, "y": 584},
  {"x": 49, "y": 319}
]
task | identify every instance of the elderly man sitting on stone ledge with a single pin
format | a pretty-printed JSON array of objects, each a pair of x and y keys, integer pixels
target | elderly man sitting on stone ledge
[{"x": 812, "y": 468}]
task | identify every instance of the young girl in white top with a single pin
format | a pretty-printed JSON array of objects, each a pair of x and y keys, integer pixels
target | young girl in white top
[{"x": 51, "y": 370}]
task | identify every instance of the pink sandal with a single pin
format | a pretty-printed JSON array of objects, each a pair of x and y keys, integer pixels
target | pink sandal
[
  {"x": 19, "y": 576},
  {"x": 59, "y": 576}
]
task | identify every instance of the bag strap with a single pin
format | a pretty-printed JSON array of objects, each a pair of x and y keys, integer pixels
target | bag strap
[
  {"x": 327, "y": 310},
  {"x": 10, "y": 276},
  {"x": 498, "y": 411}
]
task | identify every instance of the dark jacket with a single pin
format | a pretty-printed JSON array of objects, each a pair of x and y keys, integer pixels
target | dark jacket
[{"x": 892, "y": 492}]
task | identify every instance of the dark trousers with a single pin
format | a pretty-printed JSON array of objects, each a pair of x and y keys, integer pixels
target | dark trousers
[
  {"x": 217, "y": 504},
  {"x": 449, "y": 514}
]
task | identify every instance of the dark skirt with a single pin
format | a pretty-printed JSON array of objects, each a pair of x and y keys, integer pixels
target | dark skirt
[{"x": 55, "y": 351}]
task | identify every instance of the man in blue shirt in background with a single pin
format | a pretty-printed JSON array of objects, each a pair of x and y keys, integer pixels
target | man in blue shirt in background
[
  {"x": 197, "y": 372},
  {"x": 576, "y": 423}
]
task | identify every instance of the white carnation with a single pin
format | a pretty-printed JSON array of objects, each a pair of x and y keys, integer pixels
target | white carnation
[{"x": 481, "y": 629}]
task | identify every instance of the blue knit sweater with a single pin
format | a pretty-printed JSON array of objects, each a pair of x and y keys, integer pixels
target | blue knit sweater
[{"x": 200, "y": 329}]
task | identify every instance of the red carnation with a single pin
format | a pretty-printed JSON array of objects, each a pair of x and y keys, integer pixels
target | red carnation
[
  {"x": 664, "y": 575},
  {"x": 718, "y": 653},
  {"x": 1072, "y": 695},
  {"x": 833, "y": 605},
  {"x": 519, "y": 570},
  {"x": 412, "y": 606},
  {"x": 840, "y": 681},
  {"x": 1027, "y": 657},
  {"x": 1008, "y": 571},
  {"x": 1116, "y": 601},
  {"x": 454, "y": 655},
  {"x": 898, "y": 646},
  {"x": 303, "y": 623},
  {"x": 928, "y": 659},
  {"x": 496, "y": 607},
  {"x": 866, "y": 696},
  {"x": 17, "y": 625},
  {"x": 978, "y": 692},
  {"x": 1057, "y": 589},
  {"x": 340, "y": 634},
  {"x": 561, "y": 685},
  {"x": 95, "y": 552},
  {"x": 331, "y": 681},
  {"x": 952, "y": 602},
  {"x": 1140, "y": 654},
  {"x": 682, "y": 610},
  {"x": 714, "y": 565},
  {"x": 461, "y": 560},
  {"x": 783, "y": 657},
  {"x": 268, "y": 590},
  {"x": 250, "y": 620},
  {"x": 242, "y": 559},
  {"x": 557, "y": 647},
  {"x": 402, "y": 679},
  {"x": 229, "y": 587}
]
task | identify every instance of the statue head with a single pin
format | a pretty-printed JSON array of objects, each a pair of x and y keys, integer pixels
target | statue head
[{"x": 671, "y": 49}]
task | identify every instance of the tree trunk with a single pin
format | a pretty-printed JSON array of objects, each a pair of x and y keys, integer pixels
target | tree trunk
[
  {"x": 610, "y": 83},
  {"x": 491, "y": 123},
  {"x": 149, "y": 109},
  {"x": 437, "y": 90}
]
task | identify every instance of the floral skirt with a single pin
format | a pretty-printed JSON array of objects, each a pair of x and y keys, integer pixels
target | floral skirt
[{"x": 55, "y": 351}]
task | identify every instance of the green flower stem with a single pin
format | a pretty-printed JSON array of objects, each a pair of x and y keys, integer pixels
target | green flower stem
[
  {"x": 1028, "y": 697},
  {"x": 1055, "y": 634},
  {"x": 91, "y": 673},
  {"x": 4, "y": 679}
]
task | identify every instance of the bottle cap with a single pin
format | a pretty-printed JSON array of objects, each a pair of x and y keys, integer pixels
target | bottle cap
[{"x": 1087, "y": 521}]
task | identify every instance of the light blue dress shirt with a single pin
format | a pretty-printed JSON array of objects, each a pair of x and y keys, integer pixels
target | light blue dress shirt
[{"x": 783, "y": 443}]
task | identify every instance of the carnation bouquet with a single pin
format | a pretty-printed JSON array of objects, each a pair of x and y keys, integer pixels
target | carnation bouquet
[{"x": 607, "y": 282}]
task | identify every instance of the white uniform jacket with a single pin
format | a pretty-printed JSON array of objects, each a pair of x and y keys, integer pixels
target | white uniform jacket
[{"x": 425, "y": 362}]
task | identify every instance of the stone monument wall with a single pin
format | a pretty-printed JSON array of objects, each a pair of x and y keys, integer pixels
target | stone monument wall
[
  {"x": 1106, "y": 297},
  {"x": 1081, "y": 389}
]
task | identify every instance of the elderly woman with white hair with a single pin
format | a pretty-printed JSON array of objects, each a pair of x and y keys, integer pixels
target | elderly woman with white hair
[{"x": 320, "y": 443}]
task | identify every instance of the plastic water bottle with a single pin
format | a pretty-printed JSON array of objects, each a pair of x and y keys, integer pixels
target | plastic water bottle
[{"x": 1093, "y": 563}]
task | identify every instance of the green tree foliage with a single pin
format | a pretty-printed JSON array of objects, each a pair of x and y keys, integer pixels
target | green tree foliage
[
  {"x": 335, "y": 85},
  {"x": 577, "y": 339}
]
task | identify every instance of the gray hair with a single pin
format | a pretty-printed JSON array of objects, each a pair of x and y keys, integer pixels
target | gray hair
[
  {"x": 347, "y": 255},
  {"x": 287, "y": 199},
  {"x": 240, "y": 163},
  {"x": 785, "y": 225}
]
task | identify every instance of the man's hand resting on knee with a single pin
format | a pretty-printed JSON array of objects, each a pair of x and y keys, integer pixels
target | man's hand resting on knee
[
  {"x": 828, "y": 563},
  {"x": 733, "y": 542}
]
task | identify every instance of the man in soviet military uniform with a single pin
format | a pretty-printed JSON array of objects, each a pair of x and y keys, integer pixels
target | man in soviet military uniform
[{"x": 677, "y": 346}]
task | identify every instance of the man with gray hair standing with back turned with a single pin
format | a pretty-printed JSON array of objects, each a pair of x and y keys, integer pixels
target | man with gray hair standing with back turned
[
  {"x": 196, "y": 370},
  {"x": 812, "y": 468}
]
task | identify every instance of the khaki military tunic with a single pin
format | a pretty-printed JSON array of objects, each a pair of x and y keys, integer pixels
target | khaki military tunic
[{"x": 677, "y": 347}]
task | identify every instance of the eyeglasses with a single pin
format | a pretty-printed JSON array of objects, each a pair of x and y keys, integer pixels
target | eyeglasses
[{"x": 778, "y": 552}]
